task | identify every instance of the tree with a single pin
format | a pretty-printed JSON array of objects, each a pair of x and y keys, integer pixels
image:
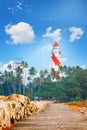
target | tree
[
  {"x": 19, "y": 78},
  {"x": 13, "y": 79},
  {"x": 45, "y": 73},
  {"x": 6, "y": 83},
  {"x": 29, "y": 79},
  {"x": 1, "y": 82},
  {"x": 55, "y": 75},
  {"x": 24, "y": 65},
  {"x": 9, "y": 66},
  {"x": 32, "y": 73},
  {"x": 42, "y": 75}
]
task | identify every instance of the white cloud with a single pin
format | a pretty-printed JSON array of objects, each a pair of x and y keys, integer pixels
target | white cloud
[
  {"x": 20, "y": 33},
  {"x": 76, "y": 33},
  {"x": 46, "y": 48},
  {"x": 5, "y": 66},
  {"x": 17, "y": 7},
  {"x": 84, "y": 66},
  {"x": 56, "y": 35},
  {"x": 64, "y": 59}
]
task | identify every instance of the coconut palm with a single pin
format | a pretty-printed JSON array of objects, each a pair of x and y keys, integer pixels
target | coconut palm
[
  {"x": 42, "y": 74},
  {"x": 24, "y": 65},
  {"x": 8, "y": 82},
  {"x": 19, "y": 77},
  {"x": 32, "y": 73},
  {"x": 29, "y": 79},
  {"x": 55, "y": 75},
  {"x": 9, "y": 66}
]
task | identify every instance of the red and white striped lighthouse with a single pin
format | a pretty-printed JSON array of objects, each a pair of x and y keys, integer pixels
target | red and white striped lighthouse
[{"x": 56, "y": 57}]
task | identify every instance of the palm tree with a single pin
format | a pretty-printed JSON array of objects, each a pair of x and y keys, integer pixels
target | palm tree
[
  {"x": 58, "y": 78},
  {"x": 1, "y": 78},
  {"x": 29, "y": 83},
  {"x": 29, "y": 79},
  {"x": 19, "y": 70},
  {"x": 42, "y": 74},
  {"x": 32, "y": 73},
  {"x": 37, "y": 82},
  {"x": 9, "y": 66},
  {"x": 6, "y": 80},
  {"x": 45, "y": 72},
  {"x": 19, "y": 77},
  {"x": 55, "y": 75},
  {"x": 24, "y": 65},
  {"x": 13, "y": 79},
  {"x": 13, "y": 82},
  {"x": 1, "y": 82}
]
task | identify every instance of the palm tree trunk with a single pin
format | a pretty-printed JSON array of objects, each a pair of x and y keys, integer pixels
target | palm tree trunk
[{"x": 19, "y": 88}]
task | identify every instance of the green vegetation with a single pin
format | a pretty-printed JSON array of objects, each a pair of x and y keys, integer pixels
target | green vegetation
[{"x": 72, "y": 87}]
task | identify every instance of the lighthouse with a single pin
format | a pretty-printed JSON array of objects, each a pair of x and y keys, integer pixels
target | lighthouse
[
  {"x": 56, "y": 57},
  {"x": 56, "y": 62}
]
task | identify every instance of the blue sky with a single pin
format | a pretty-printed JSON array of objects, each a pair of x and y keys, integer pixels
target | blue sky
[{"x": 28, "y": 29}]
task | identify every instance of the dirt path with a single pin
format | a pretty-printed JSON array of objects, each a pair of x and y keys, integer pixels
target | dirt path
[{"x": 56, "y": 117}]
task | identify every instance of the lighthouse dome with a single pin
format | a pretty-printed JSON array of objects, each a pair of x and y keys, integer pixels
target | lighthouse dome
[{"x": 56, "y": 44}]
